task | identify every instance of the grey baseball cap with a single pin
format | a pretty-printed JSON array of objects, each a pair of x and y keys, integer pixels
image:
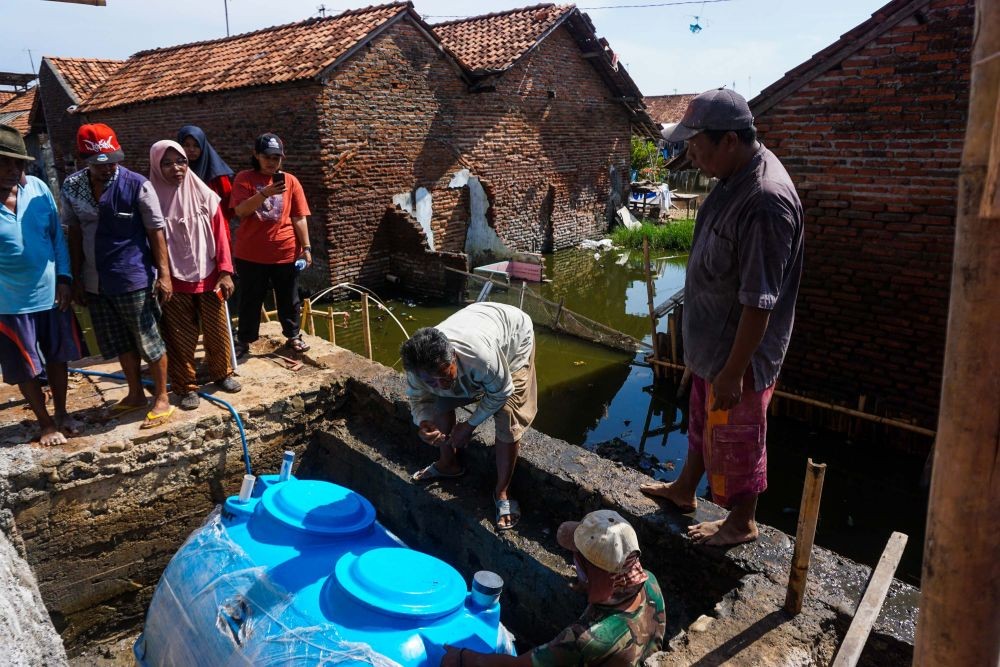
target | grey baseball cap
[{"x": 719, "y": 109}]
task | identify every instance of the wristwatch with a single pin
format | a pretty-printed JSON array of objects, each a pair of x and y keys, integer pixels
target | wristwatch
[{"x": 307, "y": 249}]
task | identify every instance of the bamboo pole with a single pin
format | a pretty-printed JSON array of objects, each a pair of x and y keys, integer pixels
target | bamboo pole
[
  {"x": 366, "y": 325},
  {"x": 812, "y": 491},
  {"x": 959, "y": 621},
  {"x": 871, "y": 603},
  {"x": 333, "y": 327},
  {"x": 555, "y": 322},
  {"x": 307, "y": 320},
  {"x": 657, "y": 372}
]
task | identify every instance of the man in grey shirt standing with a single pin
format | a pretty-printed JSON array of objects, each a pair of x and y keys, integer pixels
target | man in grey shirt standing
[{"x": 739, "y": 305}]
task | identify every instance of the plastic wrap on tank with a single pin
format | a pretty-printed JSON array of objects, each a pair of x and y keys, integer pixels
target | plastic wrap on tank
[{"x": 254, "y": 623}]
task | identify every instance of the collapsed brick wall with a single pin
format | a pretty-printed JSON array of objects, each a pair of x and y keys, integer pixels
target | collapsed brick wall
[
  {"x": 231, "y": 121},
  {"x": 874, "y": 147}
]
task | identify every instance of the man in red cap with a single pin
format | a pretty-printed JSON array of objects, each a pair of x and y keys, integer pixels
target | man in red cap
[
  {"x": 121, "y": 272},
  {"x": 739, "y": 305},
  {"x": 625, "y": 619}
]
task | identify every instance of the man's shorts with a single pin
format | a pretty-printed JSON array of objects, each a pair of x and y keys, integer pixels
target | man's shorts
[
  {"x": 127, "y": 323},
  {"x": 31, "y": 340},
  {"x": 733, "y": 442},
  {"x": 516, "y": 414}
]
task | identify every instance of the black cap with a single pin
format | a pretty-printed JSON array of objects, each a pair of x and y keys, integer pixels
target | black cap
[
  {"x": 720, "y": 109},
  {"x": 269, "y": 144}
]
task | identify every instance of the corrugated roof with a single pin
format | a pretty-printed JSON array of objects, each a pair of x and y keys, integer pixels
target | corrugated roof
[
  {"x": 82, "y": 75},
  {"x": 15, "y": 111},
  {"x": 494, "y": 42},
  {"x": 668, "y": 108},
  {"x": 273, "y": 55}
]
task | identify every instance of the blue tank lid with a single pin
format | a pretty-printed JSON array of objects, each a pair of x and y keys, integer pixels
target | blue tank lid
[
  {"x": 401, "y": 582},
  {"x": 319, "y": 507}
]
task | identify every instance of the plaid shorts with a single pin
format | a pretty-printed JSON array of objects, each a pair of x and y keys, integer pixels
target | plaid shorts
[{"x": 127, "y": 323}]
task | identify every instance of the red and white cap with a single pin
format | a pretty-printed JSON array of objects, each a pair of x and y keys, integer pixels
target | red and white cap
[{"x": 97, "y": 144}]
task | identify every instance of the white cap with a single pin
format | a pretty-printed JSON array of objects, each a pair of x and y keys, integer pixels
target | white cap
[{"x": 603, "y": 537}]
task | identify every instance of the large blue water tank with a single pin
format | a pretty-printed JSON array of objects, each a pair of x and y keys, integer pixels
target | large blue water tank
[{"x": 303, "y": 574}]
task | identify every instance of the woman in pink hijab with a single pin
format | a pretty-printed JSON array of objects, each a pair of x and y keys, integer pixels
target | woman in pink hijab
[{"x": 201, "y": 268}]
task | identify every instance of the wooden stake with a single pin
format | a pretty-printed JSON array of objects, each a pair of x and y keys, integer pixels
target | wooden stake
[
  {"x": 366, "y": 325},
  {"x": 959, "y": 621},
  {"x": 520, "y": 303},
  {"x": 307, "y": 319},
  {"x": 333, "y": 329},
  {"x": 555, "y": 322},
  {"x": 812, "y": 491},
  {"x": 657, "y": 372},
  {"x": 871, "y": 603}
]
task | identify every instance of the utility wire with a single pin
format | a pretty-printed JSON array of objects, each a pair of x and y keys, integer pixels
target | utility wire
[{"x": 654, "y": 4}]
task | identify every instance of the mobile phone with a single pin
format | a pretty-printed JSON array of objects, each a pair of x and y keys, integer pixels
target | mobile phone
[{"x": 278, "y": 178}]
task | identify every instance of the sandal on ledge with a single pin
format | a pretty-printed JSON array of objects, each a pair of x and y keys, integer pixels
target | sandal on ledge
[
  {"x": 297, "y": 344},
  {"x": 509, "y": 508}
]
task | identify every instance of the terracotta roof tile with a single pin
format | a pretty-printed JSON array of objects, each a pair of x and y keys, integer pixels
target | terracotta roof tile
[
  {"x": 273, "y": 55},
  {"x": 7, "y": 96},
  {"x": 494, "y": 42},
  {"x": 15, "y": 112},
  {"x": 668, "y": 108},
  {"x": 83, "y": 75}
]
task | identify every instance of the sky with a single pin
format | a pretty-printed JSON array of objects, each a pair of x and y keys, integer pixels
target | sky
[{"x": 743, "y": 44}]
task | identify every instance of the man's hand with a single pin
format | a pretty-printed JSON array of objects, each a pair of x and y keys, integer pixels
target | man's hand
[
  {"x": 225, "y": 285},
  {"x": 79, "y": 294},
  {"x": 461, "y": 435},
  {"x": 430, "y": 434},
  {"x": 728, "y": 390},
  {"x": 163, "y": 289},
  {"x": 452, "y": 656},
  {"x": 64, "y": 296}
]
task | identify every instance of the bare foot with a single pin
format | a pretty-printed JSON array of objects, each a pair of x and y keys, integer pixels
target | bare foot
[
  {"x": 51, "y": 436},
  {"x": 720, "y": 533},
  {"x": 685, "y": 502},
  {"x": 69, "y": 425}
]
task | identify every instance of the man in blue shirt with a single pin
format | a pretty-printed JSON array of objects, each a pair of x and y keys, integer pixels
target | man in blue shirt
[{"x": 38, "y": 331}]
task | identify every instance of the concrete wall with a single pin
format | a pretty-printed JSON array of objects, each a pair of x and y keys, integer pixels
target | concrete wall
[{"x": 874, "y": 146}]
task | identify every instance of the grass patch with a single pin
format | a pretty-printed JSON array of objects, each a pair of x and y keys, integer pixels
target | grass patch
[{"x": 674, "y": 236}]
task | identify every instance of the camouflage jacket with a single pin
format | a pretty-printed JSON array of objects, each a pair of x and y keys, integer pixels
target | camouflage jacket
[{"x": 607, "y": 636}]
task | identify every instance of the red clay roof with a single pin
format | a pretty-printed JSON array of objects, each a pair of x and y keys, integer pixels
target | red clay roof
[
  {"x": 7, "y": 96},
  {"x": 668, "y": 108},
  {"x": 15, "y": 112},
  {"x": 494, "y": 42},
  {"x": 273, "y": 55},
  {"x": 82, "y": 75}
]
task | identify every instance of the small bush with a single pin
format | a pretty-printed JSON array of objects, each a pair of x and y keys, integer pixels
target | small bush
[{"x": 677, "y": 235}]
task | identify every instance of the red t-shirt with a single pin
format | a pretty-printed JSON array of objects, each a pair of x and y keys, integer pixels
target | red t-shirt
[{"x": 266, "y": 236}]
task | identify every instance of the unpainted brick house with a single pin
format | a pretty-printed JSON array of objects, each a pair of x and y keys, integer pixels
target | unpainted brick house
[
  {"x": 416, "y": 145},
  {"x": 871, "y": 131}
]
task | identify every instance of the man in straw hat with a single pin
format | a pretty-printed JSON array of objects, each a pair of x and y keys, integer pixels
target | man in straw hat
[
  {"x": 739, "y": 305},
  {"x": 38, "y": 332},
  {"x": 625, "y": 619}
]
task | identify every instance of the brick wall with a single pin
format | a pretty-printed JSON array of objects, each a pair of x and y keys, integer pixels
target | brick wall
[
  {"x": 874, "y": 148},
  {"x": 232, "y": 120},
  {"x": 399, "y": 118},
  {"x": 60, "y": 125}
]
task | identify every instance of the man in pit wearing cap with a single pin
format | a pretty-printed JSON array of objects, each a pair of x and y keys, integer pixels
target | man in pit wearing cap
[
  {"x": 739, "y": 305},
  {"x": 38, "y": 330},
  {"x": 121, "y": 271},
  {"x": 625, "y": 619}
]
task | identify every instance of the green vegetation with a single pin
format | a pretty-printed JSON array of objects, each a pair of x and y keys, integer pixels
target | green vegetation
[
  {"x": 677, "y": 235},
  {"x": 647, "y": 160}
]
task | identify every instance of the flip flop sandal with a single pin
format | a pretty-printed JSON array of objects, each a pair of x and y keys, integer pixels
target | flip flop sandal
[
  {"x": 154, "y": 419},
  {"x": 297, "y": 344},
  {"x": 431, "y": 473},
  {"x": 509, "y": 508},
  {"x": 120, "y": 408}
]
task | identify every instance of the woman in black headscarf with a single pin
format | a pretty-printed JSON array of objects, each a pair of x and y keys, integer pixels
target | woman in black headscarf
[{"x": 207, "y": 165}]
